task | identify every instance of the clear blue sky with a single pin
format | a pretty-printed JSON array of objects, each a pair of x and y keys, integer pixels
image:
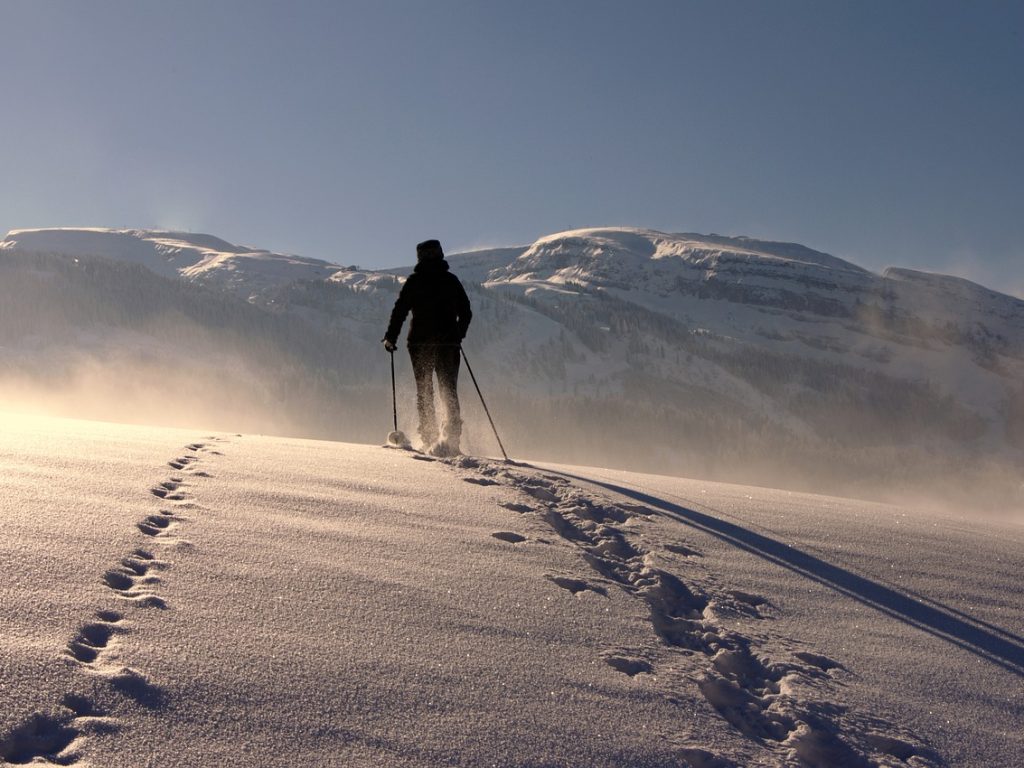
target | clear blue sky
[{"x": 883, "y": 132}]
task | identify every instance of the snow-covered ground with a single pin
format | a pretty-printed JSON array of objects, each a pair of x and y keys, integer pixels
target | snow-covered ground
[{"x": 178, "y": 598}]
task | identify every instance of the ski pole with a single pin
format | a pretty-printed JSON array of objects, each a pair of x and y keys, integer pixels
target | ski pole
[
  {"x": 483, "y": 403},
  {"x": 394, "y": 396}
]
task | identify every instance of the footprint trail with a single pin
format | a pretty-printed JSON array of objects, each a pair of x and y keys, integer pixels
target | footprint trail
[
  {"x": 57, "y": 737},
  {"x": 785, "y": 707}
]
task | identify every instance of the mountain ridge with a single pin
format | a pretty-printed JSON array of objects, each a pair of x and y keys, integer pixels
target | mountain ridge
[{"x": 200, "y": 253}]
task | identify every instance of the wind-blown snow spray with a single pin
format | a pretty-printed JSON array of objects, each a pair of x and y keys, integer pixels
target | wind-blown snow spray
[{"x": 398, "y": 439}]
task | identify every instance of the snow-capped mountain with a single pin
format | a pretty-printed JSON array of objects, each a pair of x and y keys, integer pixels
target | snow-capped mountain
[
  {"x": 789, "y": 300},
  {"x": 691, "y": 354},
  {"x": 201, "y": 258},
  {"x": 664, "y": 273}
]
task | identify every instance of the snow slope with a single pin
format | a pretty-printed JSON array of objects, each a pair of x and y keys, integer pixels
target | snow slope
[{"x": 175, "y": 598}]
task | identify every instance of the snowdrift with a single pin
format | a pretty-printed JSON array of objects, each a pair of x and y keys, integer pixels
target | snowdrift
[{"x": 182, "y": 598}]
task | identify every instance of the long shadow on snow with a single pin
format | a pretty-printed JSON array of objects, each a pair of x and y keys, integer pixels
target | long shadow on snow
[{"x": 936, "y": 619}]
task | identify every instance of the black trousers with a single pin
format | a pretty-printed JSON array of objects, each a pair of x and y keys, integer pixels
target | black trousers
[{"x": 442, "y": 360}]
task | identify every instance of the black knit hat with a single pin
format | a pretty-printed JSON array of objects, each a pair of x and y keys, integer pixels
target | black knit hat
[{"x": 429, "y": 250}]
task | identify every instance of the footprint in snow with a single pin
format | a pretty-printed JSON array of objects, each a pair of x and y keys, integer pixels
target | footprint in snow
[
  {"x": 119, "y": 581},
  {"x": 124, "y": 581},
  {"x": 155, "y": 525},
  {"x": 509, "y": 536},
  {"x": 140, "y": 567},
  {"x": 734, "y": 603},
  {"x": 682, "y": 549},
  {"x": 629, "y": 665},
  {"x": 824, "y": 663},
  {"x": 598, "y": 513},
  {"x": 168, "y": 491},
  {"x": 748, "y": 598},
  {"x": 890, "y": 745},
  {"x": 540, "y": 492},
  {"x": 514, "y": 507},
  {"x": 49, "y": 738},
  {"x": 42, "y": 737},
  {"x": 578, "y": 586},
  {"x": 613, "y": 544},
  {"x": 91, "y": 640},
  {"x": 145, "y": 554}
]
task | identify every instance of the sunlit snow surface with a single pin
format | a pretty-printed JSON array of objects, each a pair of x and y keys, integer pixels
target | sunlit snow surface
[{"x": 181, "y": 598}]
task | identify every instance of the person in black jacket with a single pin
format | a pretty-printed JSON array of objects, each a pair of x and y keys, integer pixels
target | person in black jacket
[{"x": 440, "y": 318}]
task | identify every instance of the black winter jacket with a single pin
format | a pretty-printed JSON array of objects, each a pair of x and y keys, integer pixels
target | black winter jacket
[{"x": 439, "y": 305}]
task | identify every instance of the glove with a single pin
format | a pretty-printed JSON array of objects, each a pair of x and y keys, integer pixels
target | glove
[{"x": 389, "y": 345}]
